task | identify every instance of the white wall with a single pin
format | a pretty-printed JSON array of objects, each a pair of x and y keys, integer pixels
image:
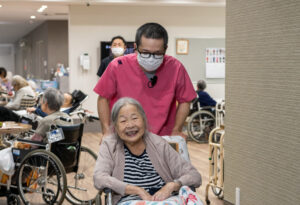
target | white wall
[
  {"x": 90, "y": 25},
  {"x": 7, "y": 57}
]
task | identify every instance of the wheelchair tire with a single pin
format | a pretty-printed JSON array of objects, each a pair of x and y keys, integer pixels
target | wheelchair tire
[
  {"x": 80, "y": 184},
  {"x": 41, "y": 178},
  {"x": 200, "y": 124},
  {"x": 13, "y": 199}
]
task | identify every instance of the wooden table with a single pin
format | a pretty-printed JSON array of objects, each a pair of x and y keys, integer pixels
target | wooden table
[
  {"x": 11, "y": 128},
  {"x": 14, "y": 128}
]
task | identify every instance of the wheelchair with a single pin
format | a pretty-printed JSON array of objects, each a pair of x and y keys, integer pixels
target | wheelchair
[
  {"x": 177, "y": 142},
  {"x": 200, "y": 122},
  {"x": 49, "y": 172},
  {"x": 216, "y": 158}
]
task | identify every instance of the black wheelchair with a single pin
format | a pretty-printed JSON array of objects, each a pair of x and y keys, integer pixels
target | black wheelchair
[
  {"x": 49, "y": 172},
  {"x": 200, "y": 122}
]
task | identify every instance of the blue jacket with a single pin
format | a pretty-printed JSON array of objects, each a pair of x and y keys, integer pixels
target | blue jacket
[{"x": 205, "y": 99}]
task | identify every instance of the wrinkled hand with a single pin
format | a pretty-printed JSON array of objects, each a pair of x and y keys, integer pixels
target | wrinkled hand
[
  {"x": 164, "y": 193},
  {"x": 102, "y": 135},
  {"x": 144, "y": 195},
  {"x": 135, "y": 190}
]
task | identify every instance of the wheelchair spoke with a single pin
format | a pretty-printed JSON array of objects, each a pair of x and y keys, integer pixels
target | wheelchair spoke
[
  {"x": 200, "y": 125},
  {"x": 82, "y": 180},
  {"x": 41, "y": 179}
]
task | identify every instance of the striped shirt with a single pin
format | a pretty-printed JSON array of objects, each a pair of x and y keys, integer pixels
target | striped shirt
[{"x": 139, "y": 171}]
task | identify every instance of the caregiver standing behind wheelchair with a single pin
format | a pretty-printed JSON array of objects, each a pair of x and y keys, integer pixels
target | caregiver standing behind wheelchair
[
  {"x": 156, "y": 80},
  {"x": 137, "y": 164}
]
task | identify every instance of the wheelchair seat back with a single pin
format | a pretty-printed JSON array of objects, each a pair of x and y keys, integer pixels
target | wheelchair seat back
[
  {"x": 72, "y": 133},
  {"x": 67, "y": 150},
  {"x": 78, "y": 98}
]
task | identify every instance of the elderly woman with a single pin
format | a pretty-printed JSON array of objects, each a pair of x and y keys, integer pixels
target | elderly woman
[
  {"x": 204, "y": 97},
  {"x": 22, "y": 89},
  {"x": 139, "y": 165},
  {"x": 51, "y": 102}
]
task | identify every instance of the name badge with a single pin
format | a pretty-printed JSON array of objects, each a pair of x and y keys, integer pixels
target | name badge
[{"x": 55, "y": 135}]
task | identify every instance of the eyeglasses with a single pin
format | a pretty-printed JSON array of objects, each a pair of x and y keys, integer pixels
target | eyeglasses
[{"x": 155, "y": 55}]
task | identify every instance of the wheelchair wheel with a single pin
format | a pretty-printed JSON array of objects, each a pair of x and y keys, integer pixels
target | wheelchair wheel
[
  {"x": 41, "y": 178},
  {"x": 217, "y": 191},
  {"x": 200, "y": 124},
  {"x": 80, "y": 184},
  {"x": 13, "y": 199}
]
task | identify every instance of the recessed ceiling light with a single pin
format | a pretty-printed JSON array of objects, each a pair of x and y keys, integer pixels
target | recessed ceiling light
[
  {"x": 42, "y": 8},
  {"x": 0, "y": 5},
  {"x": 32, "y": 17}
]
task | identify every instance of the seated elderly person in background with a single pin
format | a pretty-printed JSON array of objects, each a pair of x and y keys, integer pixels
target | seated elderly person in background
[
  {"x": 4, "y": 82},
  {"x": 204, "y": 97},
  {"x": 22, "y": 89},
  {"x": 51, "y": 102},
  {"x": 66, "y": 106},
  {"x": 139, "y": 165}
]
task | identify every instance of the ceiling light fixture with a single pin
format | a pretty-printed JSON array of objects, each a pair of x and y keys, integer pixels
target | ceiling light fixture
[
  {"x": 0, "y": 6},
  {"x": 42, "y": 8},
  {"x": 32, "y": 17}
]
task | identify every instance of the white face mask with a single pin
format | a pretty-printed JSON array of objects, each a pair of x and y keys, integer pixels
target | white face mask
[
  {"x": 117, "y": 51},
  {"x": 149, "y": 64}
]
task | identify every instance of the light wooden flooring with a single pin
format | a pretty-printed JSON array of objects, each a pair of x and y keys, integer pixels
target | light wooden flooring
[{"x": 198, "y": 154}]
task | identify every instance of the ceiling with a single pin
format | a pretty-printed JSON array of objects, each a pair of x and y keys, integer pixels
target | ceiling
[{"x": 15, "y": 15}]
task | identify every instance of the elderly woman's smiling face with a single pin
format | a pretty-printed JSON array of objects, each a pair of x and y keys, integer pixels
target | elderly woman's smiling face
[{"x": 130, "y": 125}]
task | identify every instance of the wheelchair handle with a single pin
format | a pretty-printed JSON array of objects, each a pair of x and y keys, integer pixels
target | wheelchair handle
[
  {"x": 65, "y": 119},
  {"x": 93, "y": 117}
]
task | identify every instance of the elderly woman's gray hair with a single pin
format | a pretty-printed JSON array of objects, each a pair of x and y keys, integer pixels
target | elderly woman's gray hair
[
  {"x": 127, "y": 101},
  {"x": 201, "y": 85},
  {"x": 54, "y": 98}
]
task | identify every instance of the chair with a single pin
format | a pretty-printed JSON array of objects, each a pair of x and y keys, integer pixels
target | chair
[
  {"x": 42, "y": 175},
  {"x": 200, "y": 123},
  {"x": 179, "y": 144},
  {"x": 67, "y": 149}
]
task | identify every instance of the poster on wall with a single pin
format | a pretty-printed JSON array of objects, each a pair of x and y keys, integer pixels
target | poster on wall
[{"x": 215, "y": 62}]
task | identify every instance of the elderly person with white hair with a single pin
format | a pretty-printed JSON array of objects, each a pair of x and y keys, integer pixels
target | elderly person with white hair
[
  {"x": 139, "y": 165},
  {"x": 22, "y": 89},
  {"x": 51, "y": 102}
]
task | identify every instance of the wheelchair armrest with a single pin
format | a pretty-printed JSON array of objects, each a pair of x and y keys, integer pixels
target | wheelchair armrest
[
  {"x": 207, "y": 107},
  {"x": 32, "y": 142},
  {"x": 108, "y": 197}
]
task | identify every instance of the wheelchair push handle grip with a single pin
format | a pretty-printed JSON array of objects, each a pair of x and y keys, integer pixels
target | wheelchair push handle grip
[
  {"x": 93, "y": 117},
  {"x": 65, "y": 119}
]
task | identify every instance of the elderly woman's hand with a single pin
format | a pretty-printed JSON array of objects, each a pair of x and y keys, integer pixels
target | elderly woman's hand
[
  {"x": 145, "y": 195},
  {"x": 135, "y": 190},
  {"x": 166, "y": 191}
]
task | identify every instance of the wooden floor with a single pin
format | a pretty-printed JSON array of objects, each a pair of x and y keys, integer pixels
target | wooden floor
[{"x": 198, "y": 154}]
